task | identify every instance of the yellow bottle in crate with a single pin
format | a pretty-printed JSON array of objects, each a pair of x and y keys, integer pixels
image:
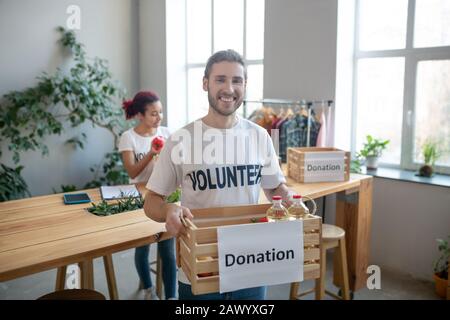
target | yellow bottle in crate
[
  {"x": 277, "y": 212},
  {"x": 298, "y": 210}
]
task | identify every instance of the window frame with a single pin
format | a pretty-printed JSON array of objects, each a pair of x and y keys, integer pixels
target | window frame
[
  {"x": 189, "y": 66},
  {"x": 412, "y": 57}
]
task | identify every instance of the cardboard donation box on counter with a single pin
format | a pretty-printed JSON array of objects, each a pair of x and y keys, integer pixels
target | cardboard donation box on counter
[
  {"x": 316, "y": 164},
  {"x": 228, "y": 249}
]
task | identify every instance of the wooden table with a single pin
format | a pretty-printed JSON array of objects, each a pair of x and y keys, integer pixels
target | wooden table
[
  {"x": 353, "y": 214},
  {"x": 41, "y": 233}
]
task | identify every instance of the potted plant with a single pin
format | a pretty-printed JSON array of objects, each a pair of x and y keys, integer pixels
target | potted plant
[
  {"x": 430, "y": 152},
  {"x": 441, "y": 268},
  {"x": 372, "y": 150}
]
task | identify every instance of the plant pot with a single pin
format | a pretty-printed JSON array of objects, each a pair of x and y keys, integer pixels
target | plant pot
[
  {"x": 440, "y": 286},
  {"x": 426, "y": 171},
  {"x": 372, "y": 163}
]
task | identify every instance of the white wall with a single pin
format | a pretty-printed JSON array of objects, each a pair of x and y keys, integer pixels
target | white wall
[
  {"x": 407, "y": 220},
  {"x": 152, "y": 48},
  {"x": 109, "y": 29},
  {"x": 300, "y": 49},
  {"x": 162, "y": 46}
]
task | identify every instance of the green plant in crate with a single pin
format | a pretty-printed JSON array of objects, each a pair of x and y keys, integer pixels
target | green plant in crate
[
  {"x": 372, "y": 150},
  {"x": 126, "y": 203}
]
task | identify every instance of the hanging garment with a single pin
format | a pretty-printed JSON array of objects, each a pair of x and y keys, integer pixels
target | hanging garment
[
  {"x": 283, "y": 138},
  {"x": 296, "y": 130},
  {"x": 314, "y": 131},
  {"x": 322, "y": 136}
]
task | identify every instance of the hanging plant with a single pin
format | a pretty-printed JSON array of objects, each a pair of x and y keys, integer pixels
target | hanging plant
[{"x": 86, "y": 93}]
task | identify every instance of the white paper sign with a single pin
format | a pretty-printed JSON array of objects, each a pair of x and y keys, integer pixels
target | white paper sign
[
  {"x": 260, "y": 254},
  {"x": 324, "y": 166}
]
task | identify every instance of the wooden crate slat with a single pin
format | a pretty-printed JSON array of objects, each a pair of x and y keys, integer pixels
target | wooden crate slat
[
  {"x": 187, "y": 255},
  {"x": 311, "y": 224},
  {"x": 206, "y": 250},
  {"x": 207, "y": 284},
  {"x": 214, "y": 222},
  {"x": 311, "y": 239},
  {"x": 184, "y": 251},
  {"x": 188, "y": 241},
  {"x": 311, "y": 254},
  {"x": 187, "y": 271},
  {"x": 206, "y": 235},
  {"x": 311, "y": 271},
  {"x": 226, "y": 212},
  {"x": 208, "y": 266}
]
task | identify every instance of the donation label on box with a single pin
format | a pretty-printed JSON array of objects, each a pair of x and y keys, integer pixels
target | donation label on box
[
  {"x": 260, "y": 254},
  {"x": 324, "y": 166}
]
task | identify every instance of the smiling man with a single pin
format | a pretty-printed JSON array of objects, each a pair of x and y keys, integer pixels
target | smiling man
[{"x": 233, "y": 177}]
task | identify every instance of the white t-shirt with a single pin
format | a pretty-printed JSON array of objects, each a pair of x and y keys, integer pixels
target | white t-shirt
[
  {"x": 130, "y": 140},
  {"x": 222, "y": 167}
]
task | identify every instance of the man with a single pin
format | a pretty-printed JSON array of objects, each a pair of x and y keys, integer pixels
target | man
[{"x": 219, "y": 173}]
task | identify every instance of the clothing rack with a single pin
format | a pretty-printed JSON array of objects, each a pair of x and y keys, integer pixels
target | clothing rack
[{"x": 308, "y": 103}]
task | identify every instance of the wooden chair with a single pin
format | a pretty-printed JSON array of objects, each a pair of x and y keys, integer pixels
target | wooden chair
[
  {"x": 332, "y": 237},
  {"x": 74, "y": 294},
  {"x": 87, "y": 276}
]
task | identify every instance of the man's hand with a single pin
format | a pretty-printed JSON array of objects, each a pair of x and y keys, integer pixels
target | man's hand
[
  {"x": 288, "y": 200},
  {"x": 173, "y": 222},
  {"x": 283, "y": 191}
]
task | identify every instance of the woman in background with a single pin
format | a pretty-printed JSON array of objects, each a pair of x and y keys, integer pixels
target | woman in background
[{"x": 138, "y": 148}]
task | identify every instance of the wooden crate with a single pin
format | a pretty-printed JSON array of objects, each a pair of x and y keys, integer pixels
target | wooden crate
[
  {"x": 296, "y": 163},
  {"x": 201, "y": 242}
]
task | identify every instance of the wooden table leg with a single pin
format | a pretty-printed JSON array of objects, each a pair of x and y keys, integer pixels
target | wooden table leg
[
  {"x": 110, "y": 277},
  {"x": 87, "y": 274},
  {"x": 354, "y": 215},
  {"x": 61, "y": 278}
]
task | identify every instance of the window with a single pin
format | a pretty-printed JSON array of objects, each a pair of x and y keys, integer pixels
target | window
[
  {"x": 402, "y": 78},
  {"x": 214, "y": 25}
]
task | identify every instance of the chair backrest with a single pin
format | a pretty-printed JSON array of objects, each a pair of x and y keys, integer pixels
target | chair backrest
[{"x": 74, "y": 294}]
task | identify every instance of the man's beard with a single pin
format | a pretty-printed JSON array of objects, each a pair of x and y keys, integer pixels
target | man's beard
[{"x": 214, "y": 104}]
